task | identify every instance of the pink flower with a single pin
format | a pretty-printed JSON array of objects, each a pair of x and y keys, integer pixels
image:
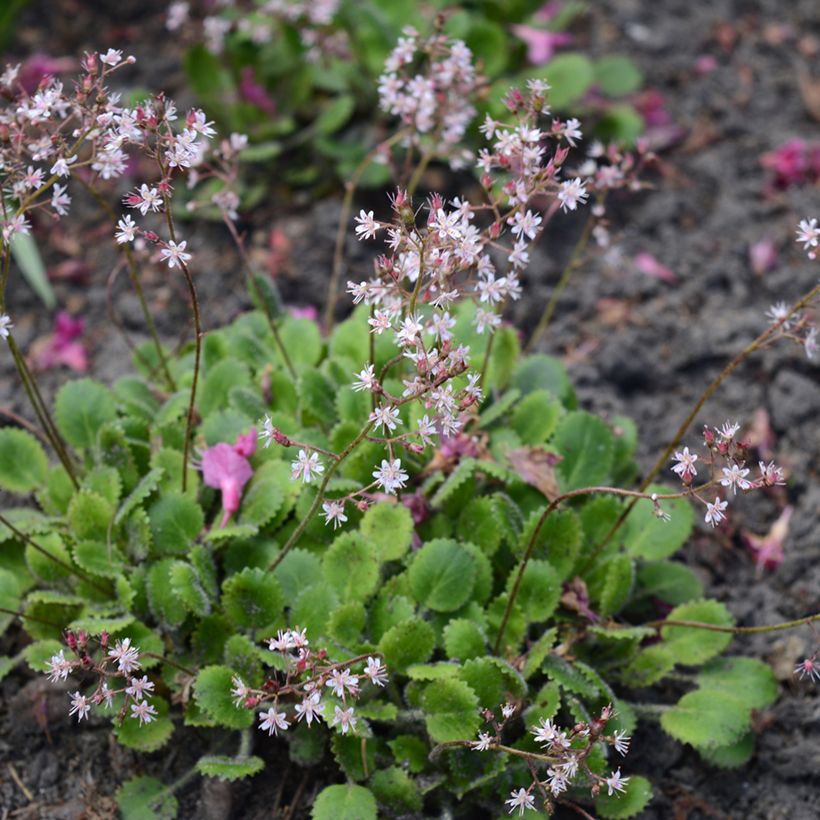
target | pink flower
[
  {"x": 793, "y": 163},
  {"x": 226, "y": 468},
  {"x": 762, "y": 256},
  {"x": 541, "y": 44},
  {"x": 648, "y": 264},
  {"x": 768, "y": 549},
  {"x": 250, "y": 91},
  {"x": 62, "y": 347}
]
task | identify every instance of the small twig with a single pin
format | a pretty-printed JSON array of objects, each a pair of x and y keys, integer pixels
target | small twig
[
  {"x": 737, "y": 630},
  {"x": 16, "y": 778}
]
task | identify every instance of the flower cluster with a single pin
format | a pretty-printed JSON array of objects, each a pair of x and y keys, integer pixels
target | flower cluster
[
  {"x": 564, "y": 757},
  {"x": 310, "y": 688},
  {"x": 429, "y": 84},
  {"x": 725, "y": 463},
  {"x": 116, "y": 670}
]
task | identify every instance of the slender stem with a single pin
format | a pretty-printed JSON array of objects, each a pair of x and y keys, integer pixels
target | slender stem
[
  {"x": 342, "y": 228},
  {"x": 297, "y": 533},
  {"x": 19, "y": 420},
  {"x": 496, "y": 747},
  {"x": 24, "y": 616},
  {"x": 419, "y": 172},
  {"x": 277, "y": 338},
  {"x": 43, "y": 551},
  {"x": 566, "y": 275},
  {"x": 737, "y": 630},
  {"x": 759, "y": 342},
  {"x": 136, "y": 284},
  {"x": 168, "y": 661}
]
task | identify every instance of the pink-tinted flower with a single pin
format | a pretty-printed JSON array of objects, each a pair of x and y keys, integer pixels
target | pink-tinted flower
[
  {"x": 306, "y": 312},
  {"x": 648, "y": 264},
  {"x": 793, "y": 163},
  {"x": 762, "y": 256},
  {"x": 250, "y": 91},
  {"x": 541, "y": 44},
  {"x": 62, "y": 348},
  {"x": 226, "y": 468},
  {"x": 768, "y": 549}
]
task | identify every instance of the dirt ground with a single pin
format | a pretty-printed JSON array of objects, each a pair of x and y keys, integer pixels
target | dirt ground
[{"x": 635, "y": 345}]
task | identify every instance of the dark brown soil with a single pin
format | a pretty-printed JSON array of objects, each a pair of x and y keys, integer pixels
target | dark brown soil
[{"x": 647, "y": 352}]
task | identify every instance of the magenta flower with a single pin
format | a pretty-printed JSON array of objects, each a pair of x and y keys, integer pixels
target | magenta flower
[
  {"x": 541, "y": 44},
  {"x": 226, "y": 468},
  {"x": 768, "y": 549},
  {"x": 62, "y": 347},
  {"x": 250, "y": 91}
]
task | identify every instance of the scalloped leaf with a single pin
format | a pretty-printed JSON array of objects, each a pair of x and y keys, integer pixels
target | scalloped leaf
[
  {"x": 146, "y": 798},
  {"x": 492, "y": 680},
  {"x": 450, "y": 710},
  {"x": 297, "y": 571},
  {"x": 350, "y": 566},
  {"x": 252, "y": 598},
  {"x": 313, "y": 608},
  {"x": 89, "y": 516},
  {"x": 396, "y": 790},
  {"x": 732, "y": 756},
  {"x": 219, "y": 379},
  {"x": 499, "y": 408},
  {"x": 464, "y": 639},
  {"x": 224, "y": 767},
  {"x": 176, "y": 521},
  {"x": 479, "y": 521},
  {"x": 747, "y": 680},
  {"x": 636, "y": 797},
  {"x": 671, "y": 582},
  {"x": 104, "y": 481},
  {"x": 692, "y": 646},
  {"x": 542, "y": 372},
  {"x": 148, "y": 483},
  {"x": 536, "y": 417},
  {"x": 264, "y": 496},
  {"x": 538, "y": 652},
  {"x": 212, "y": 690},
  {"x": 43, "y": 562},
  {"x": 348, "y": 802},
  {"x": 390, "y": 528},
  {"x": 187, "y": 584},
  {"x": 587, "y": 446},
  {"x": 411, "y": 641},
  {"x": 81, "y": 408},
  {"x": 165, "y": 603},
  {"x": 539, "y": 592},
  {"x": 97, "y": 559},
  {"x": 442, "y": 575},
  {"x": 147, "y": 737},
  {"x": 647, "y": 536},
  {"x": 23, "y": 461},
  {"x": 650, "y": 665},
  {"x": 707, "y": 719}
]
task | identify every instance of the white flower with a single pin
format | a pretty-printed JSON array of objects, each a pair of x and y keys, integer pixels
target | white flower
[
  {"x": 808, "y": 233},
  {"x": 811, "y": 344},
  {"x": 271, "y": 721},
  {"x": 345, "y": 718},
  {"x": 526, "y": 224},
  {"x": 808, "y": 668},
  {"x": 376, "y": 671},
  {"x": 175, "y": 254},
  {"x": 5, "y": 327},
  {"x": 107, "y": 695},
  {"x": 778, "y": 311},
  {"x": 143, "y": 711},
  {"x": 60, "y": 200},
  {"x": 571, "y": 131},
  {"x": 426, "y": 430},
  {"x": 390, "y": 475},
  {"x": 386, "y": 417},
  {"x": 621, "y": 743},
  {"x": 546, "y": 732},
  {"x": 139, "y": 686},
  {"x": 80, "y": 705},
  {"x": 735, "y": 477},
  {"x": 714, "y": 512},
  {"x": 309, "y": 708},
  {"x": 127, "y": 230},
  {"x": 508, "y": 710},
  {"x": 125, "y": 655},
  {"x": 367, "y": 227},
  {"x": 239, "y": 693},
  {"x": 379, "y": 321},
  {"x": 685, "y": 467},
  {"x": 572, "y": 193},
  {"x": 727, "y": 432},
  {"x": 111, "y": 57},
  {"x": 771, "y": 474},
  {"x": 341, "y": 680},
  {"x": 307, "y": 466},
  {"x": 145, "y": 199},
  {"x": 334, "y": 511},
  {"x": 520, "y": 800},
  {"x": 366, "y": 379},
  {"x": 615, "y": 783},
  {"x": 58, "y": 667},
  {"x": 483, "y": 742},
  {"x": 61, "y": 166}
]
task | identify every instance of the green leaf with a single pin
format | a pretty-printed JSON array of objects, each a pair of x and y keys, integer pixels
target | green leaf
[
  {"x": 302, "y": 340},
  {"x": 187, "y": 584},
  {"x": 297, "y": 571},
  {"x": 569, "y": 75},
  {"x": 45, "y": 566},
  {"x": 732, "y": 756},
  {"x": 691, "y": 645},
  {"x": 219, "y": 379},
  {"x": 464, "y": 639},
  {"x": 542, "y": 372},
  {"x": 538, "y": 652},
  {"x": 539, "y": 592},
  {"x": 587, "y": 445},
  {"x": 390, "y": 528},
  {"x": 650, "y": 665},
  {"x": 450, "y": 711},
  {"x": 224, "y": 767},
  {"x": 23, "y": 462},
  {"x": 347, "y": 622},
  {"x": 671, "y": 582},
  {"x": 165, "y": 603},
  {"x": 146, "y": 798},
  {"x": 334, "y": 115},
  {"x": 536, "y": 417},
  {"x": 27, "y": 256},
  {"x": 619, "y": 577},
  {"x": 264, "y": 496},
  {"x": 39, "y": 653},
  {"x": 396, "y": 790},
  {"x": 558, "y": 541},
  {"x": 492, "y": 680},
  {"x": 410, "y": 752},
  {"x": 81, "y": 408},
  {"x": 89, "y": 516},
  {"x": 176, "y": 521},
  {"x": 212, "y": 690},
  {"x": 480, "y": 521},
  {"x": 442, "y": 575},
  {"x": 506, "y": 352},
  {"x": 350, "y": 567},
  {"x": 636, "y": 796},
  {"x": 313, "y": 607},
  {"x": 252, "y": 598},
  {"x": 707, "y": 719},
  {"x": 617, "y": 75},
  {"x": 348, "y": 802},
  {"x": 747, "y": 680},
  {"x": 150, "y": 736},
  {"x": 104, "y": 481},
  {"x": 411, "y": 641},
  {"x": 647, "y": 536}
]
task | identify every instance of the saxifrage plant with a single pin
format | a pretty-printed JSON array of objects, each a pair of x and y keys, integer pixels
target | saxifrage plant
[{"x": 429, "y": 572}]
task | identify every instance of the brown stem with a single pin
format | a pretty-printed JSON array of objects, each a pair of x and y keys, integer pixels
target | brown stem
[
  {"x": 24, "y": 423},
  {"x": 24, "y": 616},
  {"x": 737, "y": 630},
  {"x": 174, "y": 664},
  {"x": 759, "y": 342}
]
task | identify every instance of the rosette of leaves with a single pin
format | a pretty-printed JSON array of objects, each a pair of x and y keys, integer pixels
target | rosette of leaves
[{"x": 128, "y": 552}]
